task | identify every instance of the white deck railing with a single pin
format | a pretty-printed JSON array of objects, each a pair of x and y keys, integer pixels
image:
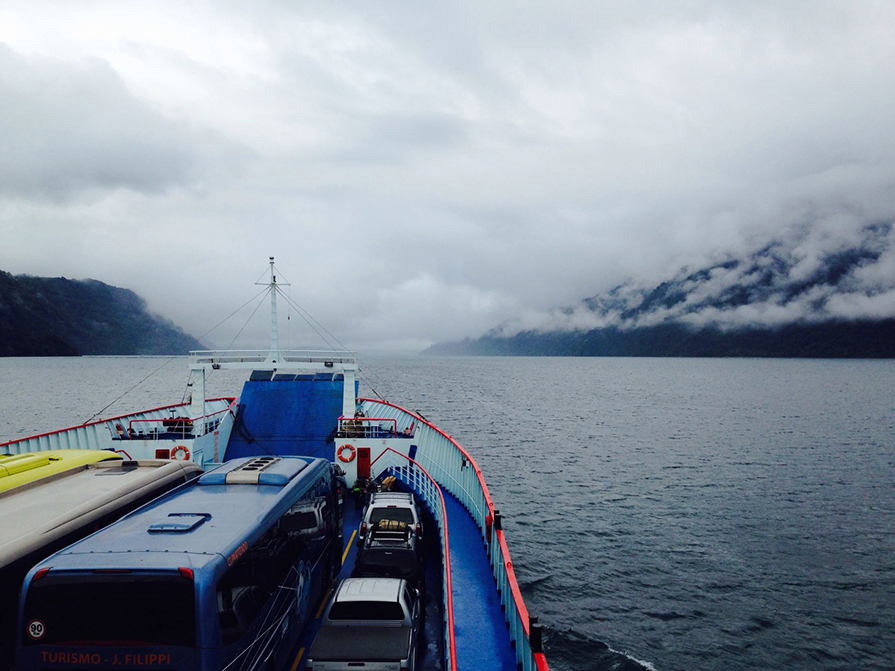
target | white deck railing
[
  {"x": 282, "y": 357},
  {"x": 105, "y": 434}
]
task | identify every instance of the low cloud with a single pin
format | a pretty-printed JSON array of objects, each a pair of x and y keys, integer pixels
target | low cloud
[
  {"x": 804, "y": 277},
  {"x": 426, "y": 174},
  {"x": 74, "y": 129}
]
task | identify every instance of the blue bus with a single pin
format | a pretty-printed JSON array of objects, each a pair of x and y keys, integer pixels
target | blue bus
[
  {"x": 222, "y": 573},
  {"x": 43, "y": 516}
]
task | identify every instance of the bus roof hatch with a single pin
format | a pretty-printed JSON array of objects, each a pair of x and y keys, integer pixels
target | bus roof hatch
[{"x": 256, "y": 471}]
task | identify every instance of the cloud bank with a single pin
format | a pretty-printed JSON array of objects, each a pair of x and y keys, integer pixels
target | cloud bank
[
  {"x": 424, "y": 174},
  {"x": 810, "y": 277},
  {"x": 74, "y": 130}
]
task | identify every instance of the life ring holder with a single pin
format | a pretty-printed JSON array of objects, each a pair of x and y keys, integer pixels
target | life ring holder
[
  {"x": 352, "y": 451},
  {"x": 180, "y": 448}
]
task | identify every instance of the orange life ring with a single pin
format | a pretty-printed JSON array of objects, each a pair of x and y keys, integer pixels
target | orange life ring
[
  {"x": 180, "y": 448},
  {"x": 351, "y": 452}
]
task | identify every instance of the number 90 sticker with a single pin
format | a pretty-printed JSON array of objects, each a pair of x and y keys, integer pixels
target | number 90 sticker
[{"x": 36, "y": 629}]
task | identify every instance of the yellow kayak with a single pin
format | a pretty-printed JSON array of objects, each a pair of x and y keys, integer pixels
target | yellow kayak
[{"x": 17, "y": 469}]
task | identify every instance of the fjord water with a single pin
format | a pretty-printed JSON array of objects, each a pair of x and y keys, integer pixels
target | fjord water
[{"x": 687, "y": 513}]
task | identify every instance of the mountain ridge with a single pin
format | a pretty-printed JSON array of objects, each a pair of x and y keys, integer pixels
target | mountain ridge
[
  {"x": 42, "y": 316},
  {"x": 860, "y": 339},
  {"x": 808, "y": 295}
]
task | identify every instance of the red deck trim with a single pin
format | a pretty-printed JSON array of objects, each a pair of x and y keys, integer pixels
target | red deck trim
[
  {"x": 511, "y": 578},
  {"x": 447, "y": 555}
]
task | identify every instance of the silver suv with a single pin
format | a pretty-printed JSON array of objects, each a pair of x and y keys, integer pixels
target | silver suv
[
  {"x": 395, "y": 506},
  {"x": 374, "y": 623}
]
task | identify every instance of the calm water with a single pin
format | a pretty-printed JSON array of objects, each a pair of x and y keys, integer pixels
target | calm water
[{"x": 692, "y": 513}]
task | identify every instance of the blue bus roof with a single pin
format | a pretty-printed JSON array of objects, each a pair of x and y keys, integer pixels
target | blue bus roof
[{"x": 214, "y": 515}]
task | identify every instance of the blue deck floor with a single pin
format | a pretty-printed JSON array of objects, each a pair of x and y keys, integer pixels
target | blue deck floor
[
  {"x": 482, "y": 637},
  {"x": 431, "y": 656}
]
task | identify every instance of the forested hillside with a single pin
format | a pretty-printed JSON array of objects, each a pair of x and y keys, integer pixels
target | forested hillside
[{"x": 59, "y": 317}]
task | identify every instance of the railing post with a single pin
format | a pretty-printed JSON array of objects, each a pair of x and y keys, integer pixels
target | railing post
[{"x": 535, "y": 635}]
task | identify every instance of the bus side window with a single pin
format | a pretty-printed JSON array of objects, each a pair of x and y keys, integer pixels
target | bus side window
[
  {"x": 306, "y": 518},
  {"x": 246, "y": 587}
]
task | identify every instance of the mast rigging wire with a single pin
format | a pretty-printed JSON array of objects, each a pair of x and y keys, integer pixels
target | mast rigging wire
[
  {"x": 260, "y": 293},
  {"x": 98, "y": 412},
  {"x": 308, "y": 319}
]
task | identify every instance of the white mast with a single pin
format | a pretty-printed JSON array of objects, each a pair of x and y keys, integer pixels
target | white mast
[
  {"x": 313, "y": 361},
  {"x": 274, "y": 354}
]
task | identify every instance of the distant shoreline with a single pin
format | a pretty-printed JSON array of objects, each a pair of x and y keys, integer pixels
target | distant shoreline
[{"x": 826, "y": 340}]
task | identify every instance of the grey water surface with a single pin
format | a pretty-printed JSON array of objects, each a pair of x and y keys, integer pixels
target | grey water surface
[{"x": 662, "y": 513}]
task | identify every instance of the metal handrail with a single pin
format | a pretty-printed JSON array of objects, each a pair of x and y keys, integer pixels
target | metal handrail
[
  {"x": 105, "y": 424},
  {"x": 262, "y": 356},
  {"x": 192, "y": 421},
  {"x": 415, "y": 477},
  {"x": 457, "y": 472}
]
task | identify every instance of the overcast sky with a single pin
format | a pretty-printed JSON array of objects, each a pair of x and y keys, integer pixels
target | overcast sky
[{"x": 425, "y": 171}]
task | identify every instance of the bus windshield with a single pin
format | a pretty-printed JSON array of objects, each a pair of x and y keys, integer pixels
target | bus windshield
[{"x": 110, "y": 609}]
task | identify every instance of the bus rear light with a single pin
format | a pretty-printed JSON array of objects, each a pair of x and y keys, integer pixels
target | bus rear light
[
  {"x": 40, "y": 574},
  {"x": 186, "y": 572}
]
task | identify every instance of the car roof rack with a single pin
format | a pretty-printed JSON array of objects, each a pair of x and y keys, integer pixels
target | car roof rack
[{"x": 390, "y": 530}]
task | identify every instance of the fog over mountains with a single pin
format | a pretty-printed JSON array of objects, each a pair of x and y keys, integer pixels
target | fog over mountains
[{"x": 811, "y": 293}]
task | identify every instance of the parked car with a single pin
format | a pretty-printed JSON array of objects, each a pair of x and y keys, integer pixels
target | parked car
[
  {"x": 392, "y": 549},
  {"x": 396, "y": 506},
  {"x": 374, "y": 623}
]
